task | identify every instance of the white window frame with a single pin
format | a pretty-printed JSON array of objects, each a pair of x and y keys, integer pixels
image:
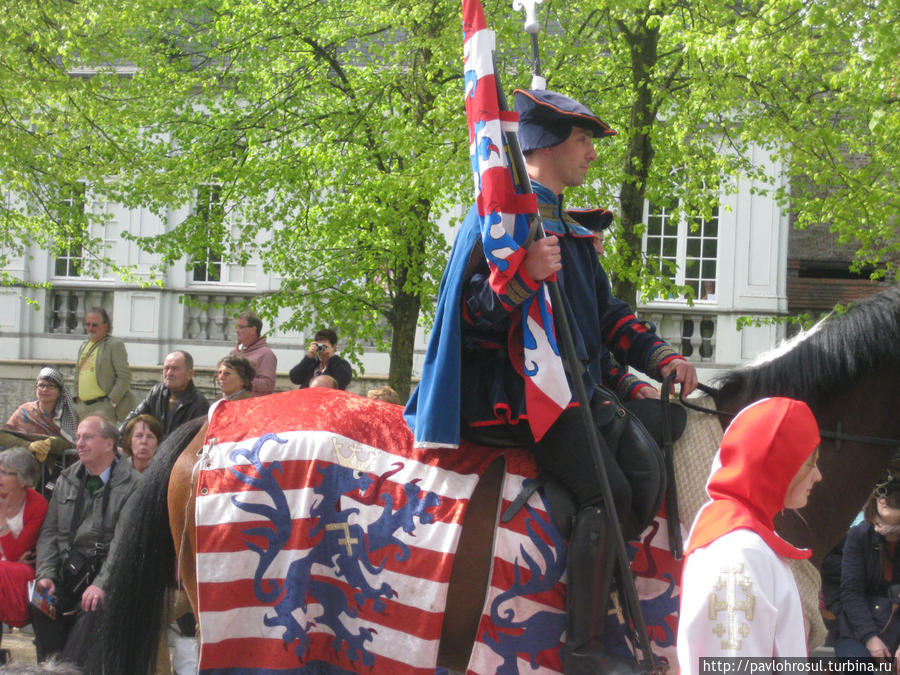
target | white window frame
[
  {"x": 681, "y": 259},
  {"x": 212, "y": 193},
  {"x": 230, "y": 274},
  {"x": 98, "y": 226}
]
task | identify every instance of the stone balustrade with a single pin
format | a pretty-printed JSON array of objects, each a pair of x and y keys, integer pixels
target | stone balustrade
[
  {"x": 691, "y": 330},
  {"x": 66, "y": 307},
  {"x": 209, "y": 316}
]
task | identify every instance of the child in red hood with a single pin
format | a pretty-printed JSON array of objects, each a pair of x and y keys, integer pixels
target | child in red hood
[{"x": 738, "y": 595}]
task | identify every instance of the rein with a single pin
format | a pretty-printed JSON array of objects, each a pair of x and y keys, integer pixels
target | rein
[
  {"x": 838, "y": 435},
  {"x": 187, "y": 508}
]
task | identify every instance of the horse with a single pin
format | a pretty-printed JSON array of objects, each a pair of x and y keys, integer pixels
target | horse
[{"x": 846, "y": 368}]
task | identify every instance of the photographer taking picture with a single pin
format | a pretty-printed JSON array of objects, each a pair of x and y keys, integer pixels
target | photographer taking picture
[{"x": 321, "y": 359}]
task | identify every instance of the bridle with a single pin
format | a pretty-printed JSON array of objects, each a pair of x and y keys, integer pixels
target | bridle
[{"x": 838, "y": 435}]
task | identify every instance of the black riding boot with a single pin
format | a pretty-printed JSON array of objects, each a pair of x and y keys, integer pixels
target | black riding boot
[{"x": 591, "y": 561}]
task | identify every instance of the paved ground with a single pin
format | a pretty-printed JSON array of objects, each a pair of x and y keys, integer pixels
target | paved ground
[{"x": 21, "y": 646}]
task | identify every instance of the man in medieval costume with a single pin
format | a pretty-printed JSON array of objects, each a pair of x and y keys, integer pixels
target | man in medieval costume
[{"x": 473, "y": 378}]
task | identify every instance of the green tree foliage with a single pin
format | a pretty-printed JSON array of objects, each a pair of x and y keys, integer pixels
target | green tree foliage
[
  {"x": 46, "y": 153},
  {"x": 696, "y": 87},
  {"x": 335, "y": 131}
]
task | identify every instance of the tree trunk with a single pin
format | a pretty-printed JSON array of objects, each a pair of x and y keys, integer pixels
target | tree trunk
[
  {"x": 404, "y": 319},
  {"x": 639, "y": 155}
]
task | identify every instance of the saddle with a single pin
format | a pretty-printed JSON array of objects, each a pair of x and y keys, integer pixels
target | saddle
[{"x": 635, "y": 433}]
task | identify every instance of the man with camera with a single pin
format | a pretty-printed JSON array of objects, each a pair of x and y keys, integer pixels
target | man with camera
[
  {"x": 71, "y": 552},
  {"x": 321, "y": 359}
]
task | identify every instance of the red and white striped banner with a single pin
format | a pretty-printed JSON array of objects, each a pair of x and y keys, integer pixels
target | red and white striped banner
[{"x": 326, "y": 541}]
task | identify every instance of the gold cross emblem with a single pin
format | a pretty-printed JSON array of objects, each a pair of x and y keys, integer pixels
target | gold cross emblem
[
  {"x": 616, "y": 608},
  {"x": 732, "y": 581},
  {"x": 346, "y": 540}
]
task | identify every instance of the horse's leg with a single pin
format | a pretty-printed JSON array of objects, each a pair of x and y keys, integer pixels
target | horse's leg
[
  {"x": 469, "y": 580},
  {"x": 181, "y": 516}
]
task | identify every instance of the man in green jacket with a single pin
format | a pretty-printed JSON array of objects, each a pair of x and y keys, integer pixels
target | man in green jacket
[
  {"x": 102, "y": 373},
  {"x": 87, "y": 501}
]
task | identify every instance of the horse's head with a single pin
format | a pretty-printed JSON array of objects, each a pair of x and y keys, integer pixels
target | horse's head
[{"x": 847, "y": 369}]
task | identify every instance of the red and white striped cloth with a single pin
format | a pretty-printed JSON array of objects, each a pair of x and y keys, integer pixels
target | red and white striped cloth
[{"x": 295, "y": 527}]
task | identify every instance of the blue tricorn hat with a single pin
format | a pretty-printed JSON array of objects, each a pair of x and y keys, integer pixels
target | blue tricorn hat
[
  {"x": 596, "y": 220},
  {"x": 546, "y": 118}
]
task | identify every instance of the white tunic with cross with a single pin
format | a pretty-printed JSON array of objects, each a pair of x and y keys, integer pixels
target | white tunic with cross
[{"x": 738, "y": 599}]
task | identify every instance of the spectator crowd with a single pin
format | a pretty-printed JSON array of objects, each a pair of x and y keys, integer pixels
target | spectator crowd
[{"x": 70, "y": 459}]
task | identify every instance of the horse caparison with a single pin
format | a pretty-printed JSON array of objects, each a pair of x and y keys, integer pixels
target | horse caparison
[{"x": 847, "y": 369}]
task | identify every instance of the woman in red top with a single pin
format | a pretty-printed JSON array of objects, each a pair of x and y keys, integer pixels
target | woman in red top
[{"x": 22, "y": 512}]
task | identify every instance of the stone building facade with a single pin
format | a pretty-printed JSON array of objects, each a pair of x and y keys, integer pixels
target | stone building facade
[{"x": 738, "y": 262}]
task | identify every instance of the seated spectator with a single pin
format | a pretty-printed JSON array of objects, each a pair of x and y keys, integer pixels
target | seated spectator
[
  {"x": 22, "y": 512},
  {"x": 140, "y": 441},
  {"x": 384, "y": 393},
  {"x": 175, "y": 400},
  {"x": 868, "y": 624},
  {"x": 321, "y": 359},
  {"x": 75, "y": 539},
  {"x": 324, "y": 381},
  {"x": 48, "y": 424},
  {"x": 234, "y": 375},
  {"x": 253, "y": 347}
]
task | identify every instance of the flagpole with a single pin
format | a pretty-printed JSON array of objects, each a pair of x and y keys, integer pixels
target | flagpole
[
  {"x": 533, "y": 27},
  {"x": 571, "y": 364}
]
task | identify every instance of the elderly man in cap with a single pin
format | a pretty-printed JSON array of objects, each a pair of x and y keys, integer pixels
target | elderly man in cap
[{"x": 471, "y": 385}]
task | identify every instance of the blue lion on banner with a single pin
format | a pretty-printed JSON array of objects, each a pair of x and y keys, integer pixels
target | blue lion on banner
[
  {"x": 541, "y": 630},
  {"x": 334, "y": 543}
]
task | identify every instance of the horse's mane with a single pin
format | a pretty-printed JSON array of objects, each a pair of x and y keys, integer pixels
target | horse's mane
[
  {"x": 142, "y": 540},
  {"x": 817, "y": 365}
]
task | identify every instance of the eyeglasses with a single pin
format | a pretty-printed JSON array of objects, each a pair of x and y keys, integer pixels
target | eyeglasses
[
  {"x": 240, "y": 327},
  {"x": 888, "y": 485},
  {"x": 45, "y": 385},
  {"x": 92, "y": 325}
]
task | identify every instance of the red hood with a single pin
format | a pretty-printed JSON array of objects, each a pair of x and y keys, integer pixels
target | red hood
[{"x": 761, "y": 452}]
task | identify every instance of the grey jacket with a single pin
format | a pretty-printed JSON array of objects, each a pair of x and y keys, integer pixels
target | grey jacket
[{"x": 53, "y": 544}]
